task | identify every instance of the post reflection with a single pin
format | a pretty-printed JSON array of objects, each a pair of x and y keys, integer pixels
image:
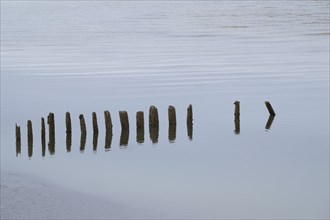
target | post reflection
[
  {"x": 108, "y": 140},
  {"x": 140, "y": 135},
  {"x": 68, "y": 142},
  {"x": 95, "y": 139},
  {"x": 124, "y": 137},
  {"x": 237, "y": 125},
  {"x": 154, "y": 134},
  {"x": 18, "y": 140},
  {"x": 172, "y": 133},
  {"x": 269, "y": 122},
  {"x": 190, "y": 130},
  {"x": 83, "y": 141}
]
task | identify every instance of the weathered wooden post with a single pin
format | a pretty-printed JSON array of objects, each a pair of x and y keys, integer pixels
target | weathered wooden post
[
  {"x": 43, "y": 137},
  {"x": 153, "y": 116},
  {"x": 68, "y": 131},
  {"x": 172, "y": 124},
  {"x": 82, "y": 124},
  {"x": 68, "y": 122},
  {"x": 237, "y": 117},
  {"x": 95, "y": 131},
  {"x": 51, "y": 130},
  {"x": 108, "y": 121},
  {"x": 108, "y": 130},
  {"x": 83, "y": 131},
  {"x": 270, "y": 108},
  {"x": 190, "y": 122},
  {"x": 124, "y": 120},
  {"x": 124, "y": 128},
  {"x": 140, "y": 127},
  {"x": 18, "y": 139},
  {"x": 30, "y": 138},
  {"x": 153, "y": 124}
]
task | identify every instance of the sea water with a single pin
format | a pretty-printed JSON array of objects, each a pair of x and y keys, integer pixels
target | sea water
[{"x": 92, "y": 56}]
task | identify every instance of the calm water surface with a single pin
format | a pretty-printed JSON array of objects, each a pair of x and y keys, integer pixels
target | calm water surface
[{"x": 91, "y": 56}]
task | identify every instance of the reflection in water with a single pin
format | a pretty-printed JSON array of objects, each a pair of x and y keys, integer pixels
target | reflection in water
[
  {"x": 18, "y": 139},
  {"x": 190, "y": 130},
  {"x": 172, "y": 133},
  {"x": 270, "y": 121},
  {"x": 237, "y": 125},
  {"x": 140, "y": 135},
  {"x": 95, "y": 137},
  {"x": 154, "y": 134},
  {"x": 83, "y": 141},
  {"x": 68, "y": 141},
  {"x": 124, "y": 137},
  {"x": 108, "y": 139}
]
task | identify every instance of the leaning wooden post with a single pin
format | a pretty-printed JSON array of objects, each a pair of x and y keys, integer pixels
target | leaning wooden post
[
  {"x": 124, "y": 120},
  {"x": 270, "y": 108},
  {"x": 18, "y": 139},
  {"x": 153, "y": 124},
  {"x": 140, "y": 127},
  {"x": 30, "y": 138},
  {"x": 95, "y": 126},
  {"x": 237, "y": 117},
  {"x": 108, "y": 130},
  {"x": 108, "y": 121},
  {"x": 43, "y": 137},
  {"x": 82, "y": 124},
  {"x": 190, "y": 122}
]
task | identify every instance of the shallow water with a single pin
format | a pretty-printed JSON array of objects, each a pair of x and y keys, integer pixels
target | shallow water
[{"x": 92, "y": 56}]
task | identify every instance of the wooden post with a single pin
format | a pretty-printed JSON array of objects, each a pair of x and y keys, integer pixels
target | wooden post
[
  {"x": 30, "y": 138},
  {"x": 95, "y": 131},
  {"x": 153, "y": 117},
  {"x": 153, "y": 124},
  {"x": 51, "y": 129},
  {"x": 190, "y": 122},
  {"x": 171, "y": 115},
  {"x": 140, "y": 127},
  {"x": 43, "y": 137},
  {"x": 237, "y": 117},
  {"x": 270, "y": 108},
  {"x": 18, "y": 139},
  {"x": 82, "y": 124},
  {"x": 172, "y": 124},
  {"x": 124, "y": 120},
  {"x": 95, "y": 126},
  {"x": 108, "y": 130},
  {"x": 108, "y": 121},
  {"x": 68, "y": 122},
  {"x": 83, "y": 141}
]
